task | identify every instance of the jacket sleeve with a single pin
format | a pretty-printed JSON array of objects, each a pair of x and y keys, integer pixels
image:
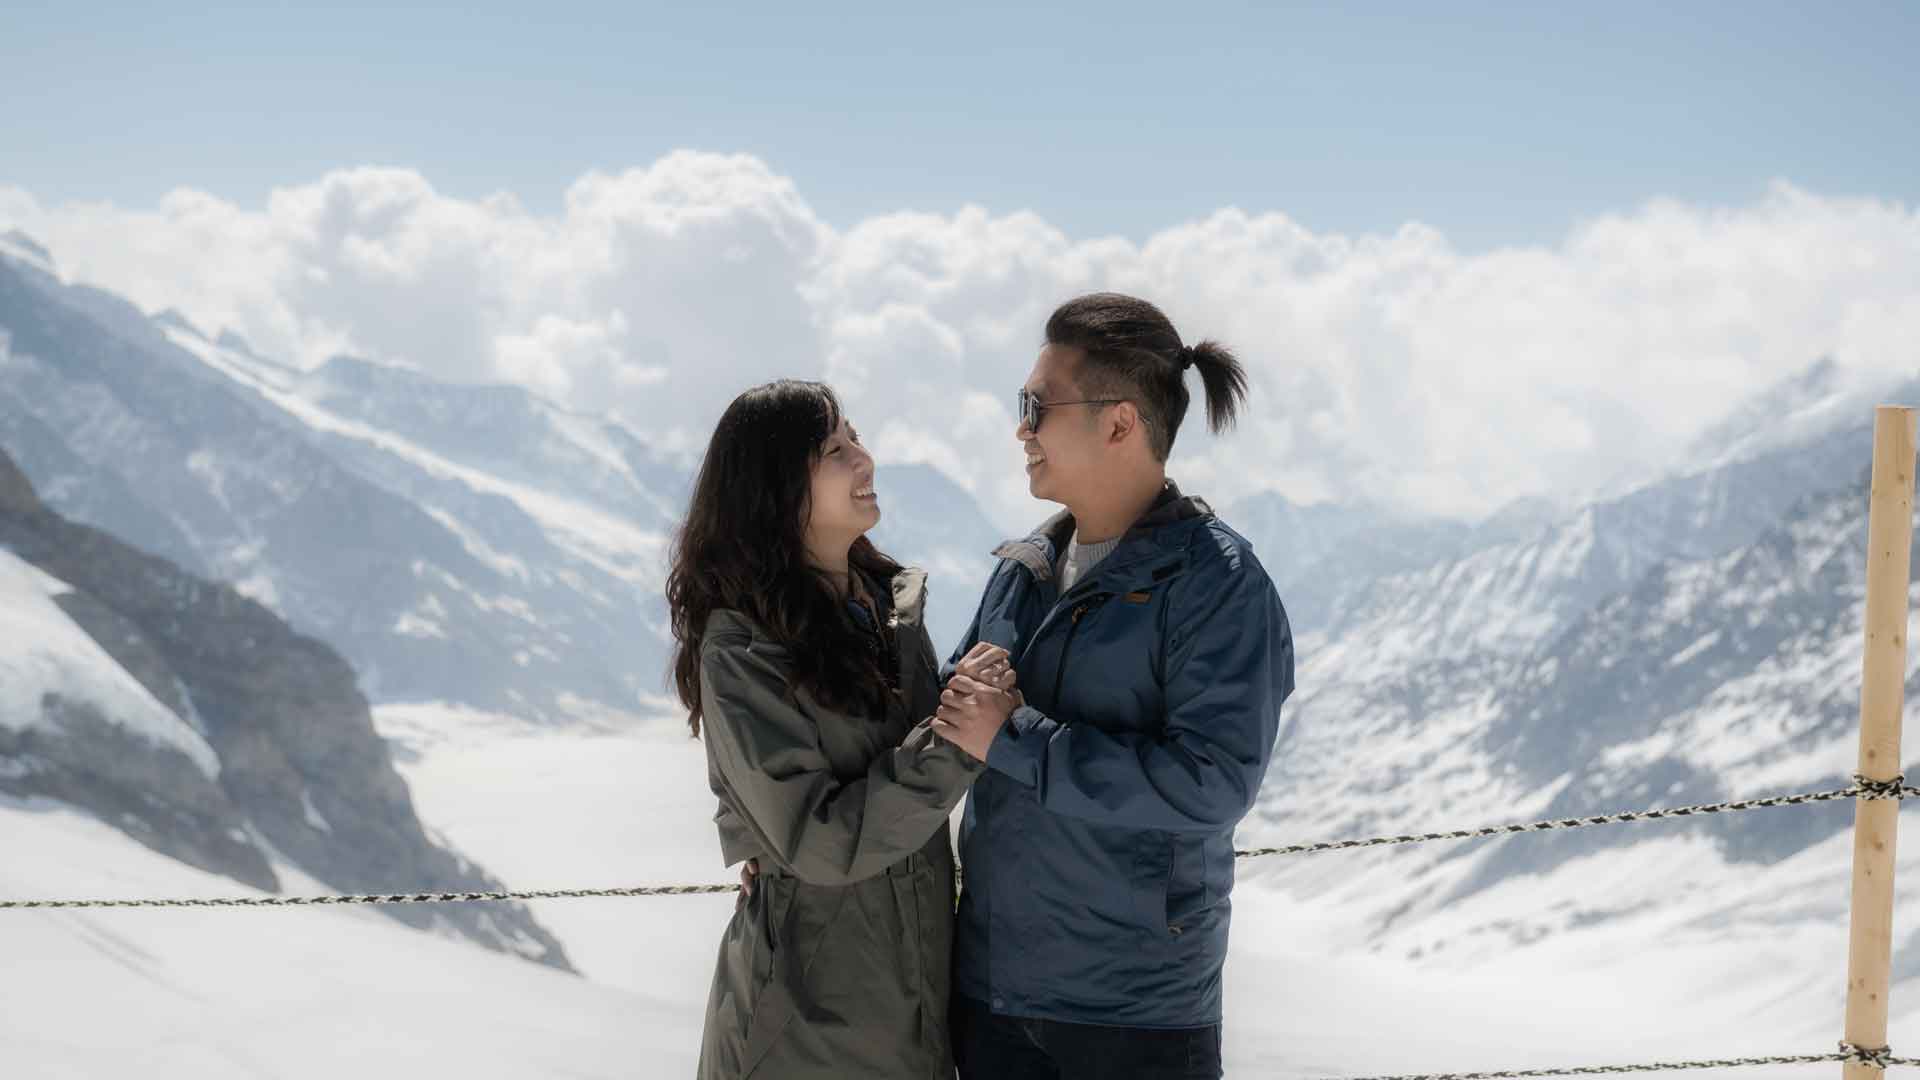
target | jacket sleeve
[
  {"x": 766, "y": 753},
  {"x": 737, "y": 842},
  {"x": 1229, "y": 668}
]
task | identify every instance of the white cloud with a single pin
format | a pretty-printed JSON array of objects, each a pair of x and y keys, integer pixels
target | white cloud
[{"x": 1391, "y": 367}]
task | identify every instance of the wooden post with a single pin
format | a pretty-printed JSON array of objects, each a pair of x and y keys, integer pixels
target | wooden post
[{"x": 1882, "y": 692}]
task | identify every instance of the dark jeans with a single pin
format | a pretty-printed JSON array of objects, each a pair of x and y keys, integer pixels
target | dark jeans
[{"x": 990, "y": 1047}]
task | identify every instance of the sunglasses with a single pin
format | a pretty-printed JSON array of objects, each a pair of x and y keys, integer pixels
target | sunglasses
[{"x": 1032, "y": 409}]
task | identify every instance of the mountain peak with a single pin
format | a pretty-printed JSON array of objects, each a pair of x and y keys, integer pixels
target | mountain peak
[
  {"x": 175, "y": 319},
  {"x": 1803, "y": 406},
  {"x": 1521, "y": 517},
  {"x": 19, "y": 245},
  {"x": 16, "y": 491},
  {"x": 369, "y": 372},
  {"x": 233, "y": 342}
]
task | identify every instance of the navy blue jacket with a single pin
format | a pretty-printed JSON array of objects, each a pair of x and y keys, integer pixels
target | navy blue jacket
[{"x": 1098, "y": 843}]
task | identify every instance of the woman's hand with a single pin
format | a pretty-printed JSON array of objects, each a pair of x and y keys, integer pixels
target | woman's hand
[
  {"x": 748, "y": 871},
  {"x": 972, "y": 713},
  {"x": 990, "y": 664}
]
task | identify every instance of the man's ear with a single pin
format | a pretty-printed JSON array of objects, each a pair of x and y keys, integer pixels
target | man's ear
[{"x": 1125, "y": 419}]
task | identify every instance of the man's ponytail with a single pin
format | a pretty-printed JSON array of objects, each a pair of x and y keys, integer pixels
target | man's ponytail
[
  {"x": 1224, "y": 379},
  {"x": 1132, "y": 352}
]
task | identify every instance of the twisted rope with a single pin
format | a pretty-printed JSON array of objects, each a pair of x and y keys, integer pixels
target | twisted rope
[
  {"x": 1863, "y": 788},
  {"x": 1848, "y": 1054},
  {"x": 385, "y": 898}
]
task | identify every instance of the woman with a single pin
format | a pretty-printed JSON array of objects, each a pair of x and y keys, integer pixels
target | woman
[{"x": 804, "y": 662}]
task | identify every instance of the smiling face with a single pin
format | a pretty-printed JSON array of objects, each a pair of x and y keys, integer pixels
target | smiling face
[
  {"x": 841, "y": 504},
  {"x": 1065, "y": 457}
]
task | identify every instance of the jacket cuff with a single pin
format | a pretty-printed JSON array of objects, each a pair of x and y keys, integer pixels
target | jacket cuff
[
  {"x": 1020, "y": 748},
  {"x": 925, "y": 742}
]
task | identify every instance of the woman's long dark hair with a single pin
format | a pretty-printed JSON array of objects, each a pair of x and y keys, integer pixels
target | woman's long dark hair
[{"x": 743, "y": 547}]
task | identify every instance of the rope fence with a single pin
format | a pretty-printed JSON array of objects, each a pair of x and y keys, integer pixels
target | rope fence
[
  {"x": 1862, "y": 788},
  {"x": 1847, "y": 1055},
  {"x": 373, "y": 898}
]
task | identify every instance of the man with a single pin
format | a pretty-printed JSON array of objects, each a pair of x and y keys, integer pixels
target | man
[{"x": 1151, "y": 656}]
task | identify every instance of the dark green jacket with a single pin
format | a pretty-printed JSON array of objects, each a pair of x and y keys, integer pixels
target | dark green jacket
[{"x": 838, "y": 966}]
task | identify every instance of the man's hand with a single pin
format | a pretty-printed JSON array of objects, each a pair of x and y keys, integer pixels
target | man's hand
[{"x": 972, "y": 712}]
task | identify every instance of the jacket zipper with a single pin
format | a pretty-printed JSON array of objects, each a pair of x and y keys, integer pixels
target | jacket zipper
[
  {"x": 1166, "y": 893},
  {"x": 1080, "y": 611}
]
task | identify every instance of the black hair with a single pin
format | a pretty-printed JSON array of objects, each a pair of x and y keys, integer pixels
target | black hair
[
  {"x": 743, "y": 547},
  {"x": 1132, "y": 352}
]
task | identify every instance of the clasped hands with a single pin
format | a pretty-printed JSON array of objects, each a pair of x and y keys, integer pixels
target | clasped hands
[
  {"x": 978, "y": 699},
  {"x": 973, "y": 708}
]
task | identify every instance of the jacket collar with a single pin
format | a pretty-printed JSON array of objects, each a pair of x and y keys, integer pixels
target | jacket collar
[
  {"x": 907, "y": 590},
  {"x": 905, "y": 595},
  {"x": 1038, "y": 550}
]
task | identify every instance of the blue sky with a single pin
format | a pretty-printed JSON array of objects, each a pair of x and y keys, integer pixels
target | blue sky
[{"x": 1498, "y": 124}]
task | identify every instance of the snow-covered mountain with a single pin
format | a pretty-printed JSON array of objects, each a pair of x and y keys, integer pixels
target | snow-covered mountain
[
  {"x": 1694, "y": 640},
  {"x": 1319, "y": 555},
  {"x": 119, "y": 428},
  {"x": 1691, "y": 638},
  {"x": 1515, "y": 596},
  {"x": 931, "y": 522},
  {"x": 534, "y": 585},
  {"x": 198, "y": 723},
  {"x": 462, "y": 544}
]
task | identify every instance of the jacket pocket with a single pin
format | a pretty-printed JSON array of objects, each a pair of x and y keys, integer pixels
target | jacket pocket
[
  {"x": 798, "y": 927},
  {"x": 776, "y": 897},
  {"x": 1186, "y": 898},
  {"x": 745, "y": 990},
  {"x": 1152, "y": 878}
]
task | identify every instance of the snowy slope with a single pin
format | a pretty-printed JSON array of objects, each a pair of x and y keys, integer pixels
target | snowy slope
[
  {"x": 1709, "y": 957},
  {"x": 555, "y": 595},
  {"x": 121, "y": 430},
  {"x": 626, "y": 806},
  {"x": 1423, "y": 700},
  {"x": 459, "y": 543},
  {"x": 281, "y": 994},
  {"x": 611, "y": 542},
  {"x": 1739, "y": 961},
  {"x": 46, "y": 654},
  {"x": 194, "y": 720},
  {"x": 1725, "y": 677}
]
